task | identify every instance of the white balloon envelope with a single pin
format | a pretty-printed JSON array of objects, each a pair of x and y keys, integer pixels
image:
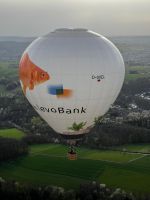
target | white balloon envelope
[{"x": 71, "y": 77}]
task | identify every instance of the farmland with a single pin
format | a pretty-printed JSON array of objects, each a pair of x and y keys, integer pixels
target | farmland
[
  {"x": 142, "y": 148},
  {"x": 135, "y": 72},
  {"x": 84, "y": 153},
  {"x": 47, "y": 164},
  {"x": 11, "y": 133}
]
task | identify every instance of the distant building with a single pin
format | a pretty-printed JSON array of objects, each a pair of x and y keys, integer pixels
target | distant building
[
  {"x": 134, "y": 115},
  {"x": 132, "y": 106},
  {"x": 119, "y": 120},
  {"x": 145, "y": 113}
]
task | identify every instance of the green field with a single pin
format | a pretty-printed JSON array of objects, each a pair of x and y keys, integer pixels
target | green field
[
  {"x": 11, "y": 133},
  {"x": 83, "y": 153},
  {"x": 8, "y": 75},
  {"x": 140, "y": 72},
  {"x": 47, "y": 164},
  {"x": 142, "y": 148},
  {"x": 9, "y": 71}
]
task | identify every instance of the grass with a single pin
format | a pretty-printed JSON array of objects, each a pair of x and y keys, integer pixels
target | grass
[
  {"x": 84, "y": 153},
  {"x": 32, "y": 176},
  {"x": 8, "y": 71},
  {"x": 142, "y": 148},
  {"x": 11, "y": 133},
  {"x": 47, "y": 164},
  {"x": 142, "y": 72},
  {"x": 111, "y": 156},
  {"x": 126, "y": 179}
]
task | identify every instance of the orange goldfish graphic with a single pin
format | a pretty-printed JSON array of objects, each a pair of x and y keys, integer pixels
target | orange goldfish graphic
[{"x": 30, "y": 74}]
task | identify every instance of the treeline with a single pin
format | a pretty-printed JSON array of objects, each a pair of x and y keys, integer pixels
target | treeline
[
  {"x": 89, "y": 191},
  {"x": 12, "y": 148},
  {"x": 136, "y": 86},
  {"x": 17, "y": 110},
  {"x": 102, "y": 136},
  {"x": 142, "y": 122},
  {"x": 129, "y": 91},
  {"x": 37, "y": 139},
  {"x": 9, "y": 84},
  {"x": 108, "y": 135}
]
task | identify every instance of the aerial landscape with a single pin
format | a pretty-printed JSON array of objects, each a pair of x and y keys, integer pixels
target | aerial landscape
[{"x": 117, "y": 153}]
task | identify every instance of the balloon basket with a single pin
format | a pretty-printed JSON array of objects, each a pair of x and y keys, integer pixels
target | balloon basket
[{"x": 72, "y": 156}]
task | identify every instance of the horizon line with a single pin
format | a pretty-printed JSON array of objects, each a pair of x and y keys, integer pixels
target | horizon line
[{"x": 19, "y": 36}]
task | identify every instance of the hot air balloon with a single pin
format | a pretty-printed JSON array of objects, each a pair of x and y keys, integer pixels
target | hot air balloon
[{"x": 71, "y": 77}]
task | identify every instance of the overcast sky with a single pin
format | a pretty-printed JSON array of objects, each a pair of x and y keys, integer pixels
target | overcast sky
[{"x": 107, "y": 17}]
